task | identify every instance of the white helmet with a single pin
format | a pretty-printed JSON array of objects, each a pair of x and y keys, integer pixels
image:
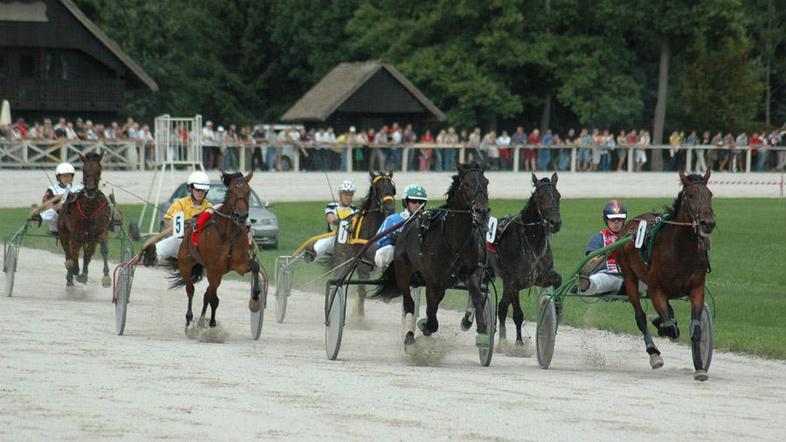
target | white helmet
[
  {"x": 64, "y": 168},
  {"x": 346, "y": 187},
  {"x": 199, "y": 180}
]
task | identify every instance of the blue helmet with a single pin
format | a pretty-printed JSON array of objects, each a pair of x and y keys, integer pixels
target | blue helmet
[{"x": 614, "y": 209}]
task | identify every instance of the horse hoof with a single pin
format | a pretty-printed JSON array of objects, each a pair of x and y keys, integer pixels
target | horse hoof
[
  {"x": 212, "y": 324},
  {"x": 656, "y": 361},
  {"x": 700, "y": 375},
  {"x": 409, "y": 339},
  {"x": 253, "y": 305},
  {"x": 69, "y": 283},
  {"x": 82, "y": 279},
  {"x": 106, "y": 281},
  {"x": 482, "y": 340},
  {"x": 466, "y": 324},
  {"x": 423, "y": 328}
]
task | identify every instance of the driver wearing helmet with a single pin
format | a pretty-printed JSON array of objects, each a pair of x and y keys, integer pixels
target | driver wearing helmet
[
  {"x": 192, "y": 205},
  {"x": 334, "y": 212},
  {"x": 606, "y": 276},
  {"x": 415, "y": 198},
  {"x": 64, "y": 176}
]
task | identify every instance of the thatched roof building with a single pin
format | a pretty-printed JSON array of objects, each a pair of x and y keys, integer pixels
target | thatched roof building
[{"x": 365, "y": 94}]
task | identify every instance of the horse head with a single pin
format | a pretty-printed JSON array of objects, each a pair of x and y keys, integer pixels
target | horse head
[
  {"x": 472, "y": 187},
  {"x": 237, "y": 197},
  {"x": 695, "y": 199},
  {"x": 546, "y": 197},
  {"x": 91, "y": 170},
  {"x": 383, "y": 191}
]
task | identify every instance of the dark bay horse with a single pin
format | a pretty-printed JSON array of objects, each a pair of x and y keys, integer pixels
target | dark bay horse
[
  {"x": 380, "y": 201},
  {"x": 440, "y": 248},
  {"x": 84, "y": 221},
  {"x": 678, "y": 267},
  {"x": 523, "y": 251},
  {"x": 223, "y": 247}
]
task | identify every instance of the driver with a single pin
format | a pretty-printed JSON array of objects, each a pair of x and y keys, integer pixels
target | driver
[
  {"x": 334, "y": 213},
  {"x": 606, "y": 277},
  {"x": 192, "y": 205},
  {"x": 64, "y": 176},
  {"x": 414, "y": 199}
]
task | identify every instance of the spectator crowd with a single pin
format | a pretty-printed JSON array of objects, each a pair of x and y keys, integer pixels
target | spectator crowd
[{"x": 273, "y": 147}]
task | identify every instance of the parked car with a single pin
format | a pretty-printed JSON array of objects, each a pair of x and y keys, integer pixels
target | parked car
[{"x": 264, "y": 223}]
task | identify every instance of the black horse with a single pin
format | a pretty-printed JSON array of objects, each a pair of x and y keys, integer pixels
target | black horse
[
  {"x": 521, "y": 251},
  {"x": 440, "y": 248},
  {"x": 375, "y": 207}
]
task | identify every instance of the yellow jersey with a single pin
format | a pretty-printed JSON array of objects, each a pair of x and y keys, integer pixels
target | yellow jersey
[{"x": 186, "y": 205}]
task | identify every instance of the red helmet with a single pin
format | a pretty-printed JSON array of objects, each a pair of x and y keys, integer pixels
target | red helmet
[{"x": 614, "y": 209}]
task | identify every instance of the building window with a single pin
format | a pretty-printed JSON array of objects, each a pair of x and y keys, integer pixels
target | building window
[{"x": 27, "y": 66}]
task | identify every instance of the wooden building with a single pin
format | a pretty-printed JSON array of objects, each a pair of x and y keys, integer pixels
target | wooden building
[
  {"x": 367, "y": 95},
  {"x": 55, "y": 62}
]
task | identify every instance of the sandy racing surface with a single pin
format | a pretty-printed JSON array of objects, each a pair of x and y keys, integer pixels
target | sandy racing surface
[{"x": 67, "y": 375}]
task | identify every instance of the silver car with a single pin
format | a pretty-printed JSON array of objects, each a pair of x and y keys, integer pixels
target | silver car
[{"x": 264, "y": 223}]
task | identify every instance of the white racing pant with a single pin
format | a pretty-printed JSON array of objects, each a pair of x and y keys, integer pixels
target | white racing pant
[
  {"x": 384, "y": 256},
  {"x": 49, "y": 216},
  {"x": 168, "y": 248},
  {"x": 324, "y": 246},
  {"x": 603, "y": 282}
]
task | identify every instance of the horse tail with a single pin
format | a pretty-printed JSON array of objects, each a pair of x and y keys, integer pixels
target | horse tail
[
  {"x": 176, "y": 279},
  {"x": 389, "y": 287}
]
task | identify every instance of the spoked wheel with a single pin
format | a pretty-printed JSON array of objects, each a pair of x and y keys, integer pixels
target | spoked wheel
[
  {"x": 707, "y": 339},
  {"x": 335, "y": 315},
  {"x": 486, "y": 352},
  {"x": 283, "y": 289},
  {"x": 10, "y": 270},
  {"x": 122, "y": 292},
  {"x": 547, "y": 330},
  {"x": 257, "y": 317}
]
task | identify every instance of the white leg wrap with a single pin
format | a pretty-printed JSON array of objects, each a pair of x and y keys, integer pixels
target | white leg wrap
[{"x": 409, "y": 323}]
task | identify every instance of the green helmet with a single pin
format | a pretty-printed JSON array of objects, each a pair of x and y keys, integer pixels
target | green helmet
[{"x": 415, "y": 192}]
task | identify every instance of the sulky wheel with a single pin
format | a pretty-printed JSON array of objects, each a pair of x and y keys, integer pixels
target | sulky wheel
[
  {"x": 546, "y": 333},
  {"x": 485, "y": 352},
  {"x": 283, "y": 289},
  {"x": 335, "y": 315},
  {"x": 10, "y": 269}
]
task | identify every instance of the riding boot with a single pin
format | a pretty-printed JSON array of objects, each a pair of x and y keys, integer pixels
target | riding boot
[
  {"x": 309, "y": 254},
  {"x": 150, "y": 257}
]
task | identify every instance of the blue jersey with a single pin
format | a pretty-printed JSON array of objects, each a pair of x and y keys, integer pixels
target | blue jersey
[
  {"x": 389, "y": 222},
  {"x": 599, "y": 240}
]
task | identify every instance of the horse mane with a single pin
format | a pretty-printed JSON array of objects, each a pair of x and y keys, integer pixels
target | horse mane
[
  {"x": 454, "y": 185},
  {"x": 365, "y": 203},
  {"x": 694, "y": 179}
]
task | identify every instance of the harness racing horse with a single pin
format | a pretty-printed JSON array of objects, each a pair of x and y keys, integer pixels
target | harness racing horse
[
  {"x": 441, "y": 247},
  {"x": 83, "y": 222},
  {"x": 223, "y": 247},
  {"x": 521, "y": 252},
  {"x": 678, "y": 266},
  {"x": 378, "y": 204}
]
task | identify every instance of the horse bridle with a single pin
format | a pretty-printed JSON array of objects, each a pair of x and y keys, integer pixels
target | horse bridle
[
  {"x": 694, "y": 215},
  {"x": 237, "y": 218},
  {"x": 473, "y": 209},
  {"x": 385, "y": 198}
]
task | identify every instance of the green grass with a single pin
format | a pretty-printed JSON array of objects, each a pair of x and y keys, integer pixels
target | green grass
[{"x": 747, "y": 279}]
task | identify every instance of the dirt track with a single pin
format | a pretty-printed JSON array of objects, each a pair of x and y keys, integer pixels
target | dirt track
[{"x": 67, "y": 375}]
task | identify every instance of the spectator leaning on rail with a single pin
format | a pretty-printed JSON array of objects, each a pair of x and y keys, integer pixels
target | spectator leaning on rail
[
  {"x": 606, "y": 276},
  {"x": 192, "y": 205},
  {"x": 414, "y": 199},
  {"x": 64, "y": 178},
  {"x": 334, "y": 213}
]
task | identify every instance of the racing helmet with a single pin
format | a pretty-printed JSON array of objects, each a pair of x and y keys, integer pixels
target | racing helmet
[
  {"x": 64, "y": 169},
  {"x": 614, "y": 209},
  {"x": 199, "y": 180},
  {"x": 415, "y": 192},
  {"x": 346, "y": 186}
]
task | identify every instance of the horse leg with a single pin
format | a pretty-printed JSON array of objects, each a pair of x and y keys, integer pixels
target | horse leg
[
  {"x": 253, "y": 303},
  {"x": 74, "y": 269},
  {"x": 502, "y": 315},
  {"x": 106, "y": 281},
  {"x": 359, "y": 308},
  {"x": 469, "y": 315},
  {"x": 185, "y": 273},
  {"x": 632, "y": 287},
  {"x": 518, "y": 316},
  {"x": 65, "y": 241},
  {"x": 211, "y": 294},
  {"x": 478, "y": 299},
  {"x": 431, "y": 324},
  {"x": 696, "y": 295},
  {"x": 409, "y": 315},
  {"x": 665, "y": 322},
  {"x": 88, "y": 250}
]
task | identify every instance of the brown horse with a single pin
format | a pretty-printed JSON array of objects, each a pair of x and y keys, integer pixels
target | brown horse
[
  {"x": 83, "y": 222},
  {"x": 678, "y": 267},
  {"x": 223, "y": 247}
]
